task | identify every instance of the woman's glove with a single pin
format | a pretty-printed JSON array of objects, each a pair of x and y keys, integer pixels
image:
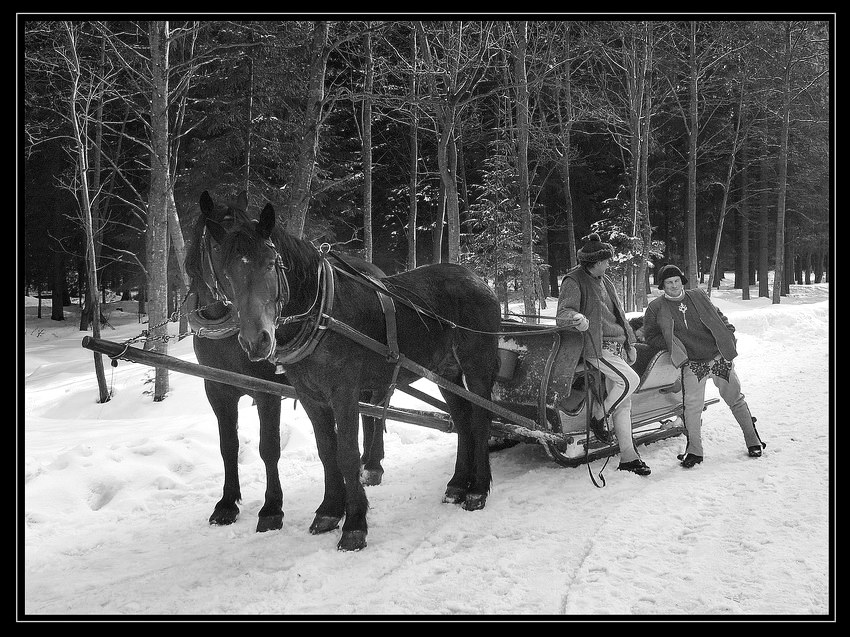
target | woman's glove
[{"x": 631, "y": 354}]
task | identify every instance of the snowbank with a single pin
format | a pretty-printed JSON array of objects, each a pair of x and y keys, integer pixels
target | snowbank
[{"x": 117, "y": 496}]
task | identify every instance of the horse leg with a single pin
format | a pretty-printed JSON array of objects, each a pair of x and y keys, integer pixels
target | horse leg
[
  {"x": 354, "y": 529},
  {"x": 471, "y": 481},
  {"x": 458, "y": 486},
  {"x": 224, "y": 400},
  {"x": 479, "y": 430},
  {"x": 373, "y": 451},
  {"x": 332, "y": 508},
  {"x": 268, "y": 409}
]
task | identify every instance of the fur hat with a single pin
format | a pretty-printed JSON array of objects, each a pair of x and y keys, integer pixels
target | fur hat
[
  {"x": 594, "y": 249},
  {"x": 668, "y": 271}
]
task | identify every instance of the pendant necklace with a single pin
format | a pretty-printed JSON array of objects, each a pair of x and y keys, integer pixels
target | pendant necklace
[{"x": 684, "y": 308}]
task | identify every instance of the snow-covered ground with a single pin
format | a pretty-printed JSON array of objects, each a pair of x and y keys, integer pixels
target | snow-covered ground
[{"x": 117, "y": 497}]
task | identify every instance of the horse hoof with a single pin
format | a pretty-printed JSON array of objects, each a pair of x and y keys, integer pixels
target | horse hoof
[
  {"x": 269, "y": 523},
  {"x": 371, "y": 477},
  {"x": 223, "y": 517},
  {"x": 474, "y": 501},
  {"x": 323, "y": 524},
  {"x": 352, "y": 541},
  {"x": 454, "y": 495}
]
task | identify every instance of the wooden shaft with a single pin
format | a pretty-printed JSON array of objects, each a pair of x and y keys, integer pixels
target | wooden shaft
[{"x": 433, "y": 420}]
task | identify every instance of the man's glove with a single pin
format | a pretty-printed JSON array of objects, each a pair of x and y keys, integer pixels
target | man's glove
[{"x": 580, "y": 322}]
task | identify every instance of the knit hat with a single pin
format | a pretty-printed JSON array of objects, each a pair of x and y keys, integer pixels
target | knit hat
[
  {"x": 594, "y": 249},
  {"x": 669, "y": 271}
]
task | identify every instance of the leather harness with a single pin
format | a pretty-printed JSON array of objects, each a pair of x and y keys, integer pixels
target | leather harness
[{"x": 316, "y": 319}]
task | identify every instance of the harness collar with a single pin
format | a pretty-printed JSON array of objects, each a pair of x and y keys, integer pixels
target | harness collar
[{"x": 315, "y": 319}]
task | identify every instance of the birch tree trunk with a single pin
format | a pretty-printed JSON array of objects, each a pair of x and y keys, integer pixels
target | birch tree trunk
[
  {"x": 692, "y": 269},
  {"x": 644, "y": 230},
  {"x": 412, "y": 218},
  {"x": 96, "y": 199},
  {"x": 439, "y": 222},
  {"x": 299, "y": 199},
  {"x": 249, "y": 119},
  {"x": 764, "y": 240},
  {"x": 85, "y": 206},
  {"x": 521, "y": 81},
  {"x": 779, "y": 265},
  {"x": 366, "y": 149},
  {"x": 157, "y": 223},
  {"x": 447, "y": 162},
  {"x": 745, "y": 224},
  {"x": 175, "y": 234},
  {"x": 564, "y": 163},
  {"x": 57, "y": 311}
]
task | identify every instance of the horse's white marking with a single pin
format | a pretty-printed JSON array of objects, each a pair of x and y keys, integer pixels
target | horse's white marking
[{"x": 244, "y": 259}]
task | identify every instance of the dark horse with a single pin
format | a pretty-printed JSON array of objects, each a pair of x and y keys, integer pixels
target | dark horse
[
  {"x": 445, "y": 318},
  {"x": 216, "y": 345}
]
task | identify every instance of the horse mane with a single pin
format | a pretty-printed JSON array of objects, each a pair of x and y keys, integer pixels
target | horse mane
[
  {"x": 192, "y": 261},
  {"x": 227, "y": 215}
]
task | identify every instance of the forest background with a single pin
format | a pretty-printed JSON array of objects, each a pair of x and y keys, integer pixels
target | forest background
[{"x": 496, "y": 144}]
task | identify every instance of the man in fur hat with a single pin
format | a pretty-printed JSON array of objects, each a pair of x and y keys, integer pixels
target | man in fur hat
[
  {"x": 702, "y": 343},
  {"x": 588, "y": 302}
]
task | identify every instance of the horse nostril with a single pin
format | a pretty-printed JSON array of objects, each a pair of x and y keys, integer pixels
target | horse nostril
[
  {"x": 258, "y": 348},
  {"x": 265, "y": 343}
]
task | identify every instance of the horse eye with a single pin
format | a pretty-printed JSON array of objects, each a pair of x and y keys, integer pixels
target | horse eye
[{"x": 270, "y": 266}]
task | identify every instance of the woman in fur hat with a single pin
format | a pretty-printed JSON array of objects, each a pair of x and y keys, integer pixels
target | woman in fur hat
[
  {"x": 701, "y": 342},
  {"x": 588, "y": 302}
]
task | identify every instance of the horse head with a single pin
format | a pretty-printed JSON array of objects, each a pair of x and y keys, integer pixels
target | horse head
[{"x": 247, "y": 260}]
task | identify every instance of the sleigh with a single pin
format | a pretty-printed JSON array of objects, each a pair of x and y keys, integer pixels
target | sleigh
[{"x": 531, "y": 382}]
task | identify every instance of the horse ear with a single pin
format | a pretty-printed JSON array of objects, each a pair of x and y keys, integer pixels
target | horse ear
[
  {"x": 206, "y": 203},
  {"x": 267, "y": 219},
  {"x": 208, "y": 212},
  {"x": 242, "y": 201}
]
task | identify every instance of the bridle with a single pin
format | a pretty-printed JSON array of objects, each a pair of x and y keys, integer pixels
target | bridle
[
  {"x": 314, "y": 319},
  {"x": 208, "y": 264},
  {"x": 212, "y": 282}
]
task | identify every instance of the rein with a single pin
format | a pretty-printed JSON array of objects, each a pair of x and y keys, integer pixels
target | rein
[
  {"x": 593, "y": 395},
  {"x": 379, "y": 286}
]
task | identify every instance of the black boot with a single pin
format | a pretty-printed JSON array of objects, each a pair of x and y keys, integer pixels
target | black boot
[
  {"x": 635, "y": 466},
  {"x": 754, "y": 451},
  {"x": 597, "y": 426},
  {"x": 690, "y": 460}
]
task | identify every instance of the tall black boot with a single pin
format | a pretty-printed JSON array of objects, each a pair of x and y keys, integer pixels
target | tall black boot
[{"x": 755, "y": 450}]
